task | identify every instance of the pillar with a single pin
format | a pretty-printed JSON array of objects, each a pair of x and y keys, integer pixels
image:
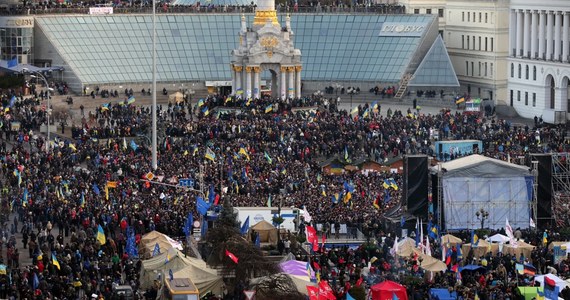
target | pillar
[
  {"x": 541, "y": 28},
  {"x": 248, "y": 71},
  {"x": 256, "y": 85},
  {"x": 512, "y": 34},
  {"x": 565, "y": 50},
  {"x": 298, "y": 81},
  {"x": 549, "y": 43},
  {"x": 533, "y": 34},
  {"x": 233, "y": 70},
  {"x": 557, "y": 36},
  {"x": 519, "y": 33},
  {"x": 239, "y": 75},
  {"x": 283, "y": 85},
  {"x": 290, "y": 83},
  {"x": 526, "y": 34}
]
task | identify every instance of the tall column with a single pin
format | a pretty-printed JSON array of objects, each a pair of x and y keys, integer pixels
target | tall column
[
  {"x": 298, "y": 81},
  {"x": 248, "y": 71},
  {"x": 541, "y": 28},
  {"x": 565, "y": 50},
  {"x": 256, "y": 83},
  {"x": 239, "y": 75},
  {"x": 533, "y": 33},
  {"x": 512, "y": 34},
  {"x": 290, "y": 83},
  {"x": 557, "y": 36},
  {"x": 526, "y": 34},
  {"x": 233, "y": 70},
  {"x": 283, "y": 86},
  {"x": 519, "y": 33},
  {"x": 549, "y": 43}
]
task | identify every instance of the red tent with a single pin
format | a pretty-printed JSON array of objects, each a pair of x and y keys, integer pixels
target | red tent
[{"x": 387, "y": 289}]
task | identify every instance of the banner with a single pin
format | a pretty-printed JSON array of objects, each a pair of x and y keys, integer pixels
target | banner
[{"x": 100, "y": 10}]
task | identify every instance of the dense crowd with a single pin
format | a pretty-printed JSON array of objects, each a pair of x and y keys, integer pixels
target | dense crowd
[{"x": 253, "y": 152}]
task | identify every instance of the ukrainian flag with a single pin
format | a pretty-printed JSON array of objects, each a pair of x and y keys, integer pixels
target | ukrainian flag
[
  {"x": 200, "y": 102},
  {"x": 82, "y": 201},
  {"x": 375, "y": 106},
  {"x": 474, "y": 239},
  {"x": 243, "y": 152},
  {"x": 460, "y": 100},
  {"x": 101, "y": 235},
  {"x": 544, "y": 238},
  {"x": 248, "y": 103},
  {"x": 131, "y": 100},
  {"x": 72, "y": 147},
  {"x": 210, "y": 154},
  {"x": 366, "y": 114},
  {"x": 55, "y": 262},
  {"x": 206, "y": 111},
  {"x": 269, "y": 160},
  {"x": 269, "y": 108}
]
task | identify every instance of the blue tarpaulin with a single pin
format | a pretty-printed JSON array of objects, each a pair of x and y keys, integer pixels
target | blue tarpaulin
[{"x": 442, "y": 294}]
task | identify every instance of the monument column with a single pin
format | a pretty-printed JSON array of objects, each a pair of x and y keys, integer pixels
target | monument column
[
  {"x": 256, "y": 85},
  {"x": 283, "y": 85},
  {"x": 234, "y": 88},
  {"x": 557, "y": 36},
  {"x": 565, "y": 37},
  {"x": 541, "y": 28},
  {"x": 533, "y": 34},
  {"x": 239, "y": 75},
  {"x": 298, "y": 81},
  {"x": 248, "y": 81},
  {"x": 549, "y": 33},
  {"x": 526, "y": 34},
  {"x": 290, "y": 84},
  {"x": 519, "y": 33}
]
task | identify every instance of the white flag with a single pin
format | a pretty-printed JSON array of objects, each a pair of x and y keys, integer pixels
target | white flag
[
  {"x": 394, "y": 249},
  {"x": 428, "y": 248},
  {"x": 509, "y": 231},
  {"x": 306, "y": 215},
  {"x": 532, "y": 224}
]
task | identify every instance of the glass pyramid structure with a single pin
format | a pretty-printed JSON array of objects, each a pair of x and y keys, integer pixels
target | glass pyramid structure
[{"x": 436, "y": 69}]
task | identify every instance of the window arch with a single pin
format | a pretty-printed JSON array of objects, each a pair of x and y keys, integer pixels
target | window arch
[
  {"x": 520, "y": 70},
  {"x": 512, "y": 70},
  {"x": 534, "y": 73},
  {"x": 526, "y": 72}
]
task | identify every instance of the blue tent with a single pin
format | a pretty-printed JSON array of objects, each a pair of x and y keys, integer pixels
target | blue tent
[{"x": 442, "y": 294}]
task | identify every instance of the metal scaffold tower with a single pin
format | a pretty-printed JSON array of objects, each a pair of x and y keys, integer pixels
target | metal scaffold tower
[{"x": 560, "y": 188}]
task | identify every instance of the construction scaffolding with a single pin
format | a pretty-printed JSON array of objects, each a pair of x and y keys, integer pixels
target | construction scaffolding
[{"x": 561, "y": 188}]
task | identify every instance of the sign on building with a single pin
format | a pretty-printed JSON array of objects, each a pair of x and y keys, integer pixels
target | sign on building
[{"x": 402, "y": 29}]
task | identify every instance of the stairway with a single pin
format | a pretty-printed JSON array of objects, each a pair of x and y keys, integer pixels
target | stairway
[{"x": 403, "y": 86}]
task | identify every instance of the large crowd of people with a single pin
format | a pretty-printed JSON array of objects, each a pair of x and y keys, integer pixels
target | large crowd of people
[{"x": 252, "y": 152}]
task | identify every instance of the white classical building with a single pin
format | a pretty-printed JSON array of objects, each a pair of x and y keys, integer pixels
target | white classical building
[
  {"x": 473, "y": 31},
  {"x": 539, "y": 71}
]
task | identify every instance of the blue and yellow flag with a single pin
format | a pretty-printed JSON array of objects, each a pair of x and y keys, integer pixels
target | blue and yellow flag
[
  {"x": 131, "y": 100},
  {"x": 474, "y": 239},
  {"x": 545, "y": 238},
  {"x": 101, "y": 235},
  {"x": 210, "y": 154},
  {"x": 55, "y": 262},
  {"x": 243, "y": 152},
  {"x": 269, "y": 160},
  {"x": 269, "y": 108}
]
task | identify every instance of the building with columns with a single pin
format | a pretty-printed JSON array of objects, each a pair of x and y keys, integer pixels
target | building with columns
[
  {"x": 472, "y": 31},
  {"x": 538, "y": 63},
  {"x": 266, "y": 46}
]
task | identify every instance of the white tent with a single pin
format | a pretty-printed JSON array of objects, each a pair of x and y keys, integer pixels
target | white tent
[
  {"x": 160, "y": 265},
  {"x": 204, "y": 278},
  {"x": 559, "y": 281},
  {"x": 498, "y": 238}
]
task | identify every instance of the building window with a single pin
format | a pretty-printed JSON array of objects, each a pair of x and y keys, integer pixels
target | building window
[
  {"x": 416, "y": 11},
  {"x": 462, "y": 16},
  {"x": 512, "y": 70},
  {"x": 440, "y": 12},
  {"x": 479, "y": 17},
  {"x": 466, "y": 68},
  {"x": 526, "y": 71},
  {"x": 479, "y": 43},
  {"x": 534, "y": 73},
  {"x": 485, "y": 69},
  {"x": 520, "y": 70},
  {"x": 485, "y": 43},
  {"x": 492, "y": 46},
  {"x": 473, "y": 42},
  {"x": 525, "y": 98},
  {"x": 472, "y": 64},
  {"x": 468, "y": 17},
  {"x": 462, "y": 41},
  {"x": 519, "y": 96},
  {"x": 533, "y": 99},
  {"x": 512, "y": 97},
  {"x": 428, "y": 11},
  {"x": 468, "y": 42},
  {"x": 479, "y": 69},
  {"x": 491, "y": 73},
  {"x": 486, "y": 18},
  {"x": 473, "y": 16}
]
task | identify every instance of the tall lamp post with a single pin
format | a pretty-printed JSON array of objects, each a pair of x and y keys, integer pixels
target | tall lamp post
[
  {"x": 154, "y": 158},
  {"x": 48, "y": 108},
  {"x": 351, "y": 93},
  {"x": 482, "y": 215}
]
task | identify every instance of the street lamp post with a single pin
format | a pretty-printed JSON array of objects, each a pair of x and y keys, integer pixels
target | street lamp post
[
  {"x": 48, "y": 108},
  {"x": 482, "y": 215}
]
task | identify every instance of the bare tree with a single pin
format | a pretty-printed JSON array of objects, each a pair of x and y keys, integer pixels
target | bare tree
[{"x": 277, "y": 286}]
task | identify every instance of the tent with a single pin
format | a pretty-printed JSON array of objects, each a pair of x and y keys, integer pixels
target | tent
[
  {"x": 297, "y": 268},
  {"x": 559, "y": 281},
  {"x": 442, "y": 294},
  {"x": 498, "y": 238},
  {"x": 206, "y": 279},
  {"x": 406, "y": 247},
  {"x": 149, "y": 241},
  {"x": 451, "y": 240},
  {"x": 430, "y": 263},
  {"x": 151, "y": 236},
  {"x": 267, "y": 232},
  {"x": 563, "y": 245},
  {"x": 475, "y": 181},
  {"x": 160, "y": 265},
  {"x": 176, "y": 98},
  {"x": 522, "y": 247},
  {"x": 385, "y": 291},
  {"x": 482, "y": 249}
]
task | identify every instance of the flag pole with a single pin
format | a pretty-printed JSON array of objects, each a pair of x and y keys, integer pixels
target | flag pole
[{"x": 154, "y": 142}]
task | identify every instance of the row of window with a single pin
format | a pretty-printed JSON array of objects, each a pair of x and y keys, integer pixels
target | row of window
[
  {"x": 487, "y": 44},
  {"x": 525, "y": 98},
  {"x": 485, "y": 69},
  {"x": 472, "y": 17},
  {"x": 526, "y": 72},
  {"x": 429, "y": 11}
]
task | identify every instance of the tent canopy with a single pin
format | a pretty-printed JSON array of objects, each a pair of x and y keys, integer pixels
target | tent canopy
[
  {"x": 296, "y": 267},
  {"x": 498, "y": 238},
  {"x": 151, "y": 239},
  {"x": 267, "y": 232},
  {"x": 450, "y": 239},
  {"x": 176, "y": 98},
  {"x": 476, "y": 165},
  {"x": 161, "y": 264},
  {"x": 386, "y": 290},
  {"x": 442, "y": 294},
  {"x": 559, "y": 281},
  {"x": 205, "y": 278}
]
